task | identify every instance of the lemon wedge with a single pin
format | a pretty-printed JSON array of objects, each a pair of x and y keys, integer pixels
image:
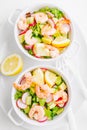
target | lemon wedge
[
  {"x": 47, "y": 40},
  {"x": 38, "y": 76},
  {"x": 50, "y": 78},
  {"x": 61, "y": 42},
  {"x": 12, "y": 65}
]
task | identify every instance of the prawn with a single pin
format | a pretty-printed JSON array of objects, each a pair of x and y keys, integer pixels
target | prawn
[
  {"x": 40, "y": 17},
  {"x": 25, "y": 82},
  {"x": 43, "y": 91},
  {"x": 51, "y": 23},
  {"x": 60, "y": 97},
  {"x": 63, "y": 25},
  {"x": 36, "y": 112},
  {"x": 48, "y": 29},
  {"x": 29, "y": 39},
  {"x": 54, "y": 52},
  {"x": 22, "y": 24}
]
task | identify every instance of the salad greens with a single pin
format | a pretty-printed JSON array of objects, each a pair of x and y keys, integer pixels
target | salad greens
[
  {"x": 53, "y": 112},
  {"x": 18, "y": 94},
  {"x": 36, "y": 30},
  {"x": 57, "y": 13}
]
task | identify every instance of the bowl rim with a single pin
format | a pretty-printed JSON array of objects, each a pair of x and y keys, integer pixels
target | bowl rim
[
  {"x": 35, "y": 7},
  {"x": 33, "y": 122}
]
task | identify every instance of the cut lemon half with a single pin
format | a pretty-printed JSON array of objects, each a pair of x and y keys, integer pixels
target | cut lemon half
[
  {"x": 61, "y": 42},
  {"x": 12, "y": 65},
  {"x": 50, "y": 78}
]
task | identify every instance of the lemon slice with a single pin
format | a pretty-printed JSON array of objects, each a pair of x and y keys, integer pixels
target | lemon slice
[
  {"x": 50, "y": 78},
  {"x": 61, "y": 42},
  {"x": 38, "y": 76},
  {"x": 12, "y": 65}
]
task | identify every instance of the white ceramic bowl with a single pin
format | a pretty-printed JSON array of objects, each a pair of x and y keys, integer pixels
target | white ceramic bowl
[
  {"x": 33, "y": 122},
  {"x": 31, "y": 9}
]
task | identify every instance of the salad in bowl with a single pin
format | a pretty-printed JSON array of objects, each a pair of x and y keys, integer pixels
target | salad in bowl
[
  {"x": 44, "y": 33},
  {"x": 40, "y": 95}
]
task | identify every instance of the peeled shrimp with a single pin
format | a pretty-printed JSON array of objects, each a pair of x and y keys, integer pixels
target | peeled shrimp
[
  {"x": 22, "y": 23},
  {"x": 40, "y": 17},
  {"x": 63, "y": 25},
  {"x": 62, "y": 96},
  {"x": 43, "y": 91},
  {"x": 51, "y": 23},
  {"x": 48, "y": 29},
  {"x": 37, "y": 112},
  {"x": 25, "y": 82},
  {"x": 54, "y": 52},
  {"x": 29, "y": 39}
]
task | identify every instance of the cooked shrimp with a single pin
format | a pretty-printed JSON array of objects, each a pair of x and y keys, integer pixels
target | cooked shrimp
[
  {"x": 51, "y": 23},
  {"x": 22, "y": 23},
  {"x": 40, "y": 17},
  {"x": 43, "y": 91},
  {"x": 48, "y": 29},
  {"x": 60, "y": 97},
  {"x": 37, "y": 112},
  {"x": 25, "y": 82},
  {"x": 29, "y": 39},
  {"x": 54, "y": 52},
  {"x": 63, "y": 25}
]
